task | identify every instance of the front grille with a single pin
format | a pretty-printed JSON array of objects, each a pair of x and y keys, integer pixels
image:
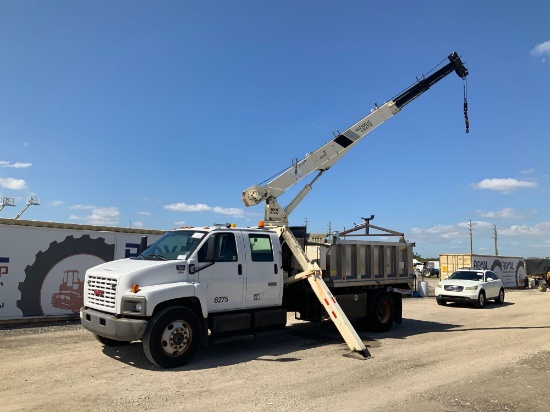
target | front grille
[
  {"x": 101, "y": 291},
  {"x": 454, "y": 288}
]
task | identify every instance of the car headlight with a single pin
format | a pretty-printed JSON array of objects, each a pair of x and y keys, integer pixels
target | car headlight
[{"x": 471, "y": 287}]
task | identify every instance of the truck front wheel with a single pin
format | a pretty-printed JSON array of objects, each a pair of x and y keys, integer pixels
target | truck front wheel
[
  {"x": 172, "y": 337},
  {"x": 380, "y": 311}
]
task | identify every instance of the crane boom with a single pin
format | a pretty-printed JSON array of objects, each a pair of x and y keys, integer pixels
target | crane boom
[{"x": 326, "y": 156}]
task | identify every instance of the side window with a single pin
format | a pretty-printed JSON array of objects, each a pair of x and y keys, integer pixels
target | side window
[
  {"x": 491, "y": 275},
  {"x": 260, "y": 246},
  {"x": 226, "y": 246}
]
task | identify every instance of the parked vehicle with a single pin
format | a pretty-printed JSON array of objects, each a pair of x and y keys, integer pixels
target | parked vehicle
[{"x": 470, "y": 286}]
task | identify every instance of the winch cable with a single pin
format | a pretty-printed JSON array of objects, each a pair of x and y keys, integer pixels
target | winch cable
[{"x": 466, "y": 120}]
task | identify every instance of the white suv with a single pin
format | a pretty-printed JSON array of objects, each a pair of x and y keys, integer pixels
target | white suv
[{"x": 470, "y": 286}]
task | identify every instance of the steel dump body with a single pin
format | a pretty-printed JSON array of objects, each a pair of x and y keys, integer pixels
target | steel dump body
[{"x": 352, "y": 263}]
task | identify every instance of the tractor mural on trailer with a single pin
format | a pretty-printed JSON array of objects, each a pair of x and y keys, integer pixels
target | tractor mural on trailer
[{"x": 70, "y": 295}]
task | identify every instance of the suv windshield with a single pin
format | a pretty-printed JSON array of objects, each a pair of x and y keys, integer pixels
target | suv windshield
[
  {"x": 467, "y": 275},
  {"x": 178, "y": 244}
]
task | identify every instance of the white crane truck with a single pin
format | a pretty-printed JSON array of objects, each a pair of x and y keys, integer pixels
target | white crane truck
[{"x": 196, "y": 282}]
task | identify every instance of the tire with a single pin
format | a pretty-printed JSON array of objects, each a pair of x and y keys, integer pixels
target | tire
[
  {"x": 441, "y": 302},
  {"x": 481, "y": 300},
  {"x": 500, "y": 298},
  {"x": 110, "y": 342},
  {"x": 172, "y": 337},
  {"x": 380, "y": 311},
  {"x": 35, "y": 274},
  {"x": 427, "y": 273}
]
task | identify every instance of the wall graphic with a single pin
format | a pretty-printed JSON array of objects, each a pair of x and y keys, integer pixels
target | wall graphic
[
  {"x": 50, "y": 282},
  {"x": 42, "y": 269}
]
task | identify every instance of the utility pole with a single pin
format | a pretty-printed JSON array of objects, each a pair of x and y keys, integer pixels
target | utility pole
[
  {"x": 471, "y": 241},
  {"x": 496, "y": 241}
]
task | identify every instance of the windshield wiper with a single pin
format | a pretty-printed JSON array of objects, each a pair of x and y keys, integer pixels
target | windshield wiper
[{"x": 158, "y": 257}]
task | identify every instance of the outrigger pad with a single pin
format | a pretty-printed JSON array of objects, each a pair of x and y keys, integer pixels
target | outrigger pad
[{"x": 361, "y": 355}]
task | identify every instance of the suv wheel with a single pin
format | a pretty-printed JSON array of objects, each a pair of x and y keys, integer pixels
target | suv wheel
[
  {"x": 480, "y": 300},
  {"x": 500, "y": 298}
]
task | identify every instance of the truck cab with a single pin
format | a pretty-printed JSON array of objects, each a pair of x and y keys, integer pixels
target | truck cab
[{"x": 190, "y": 281}]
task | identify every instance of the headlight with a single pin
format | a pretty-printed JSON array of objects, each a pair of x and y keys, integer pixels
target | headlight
[
  {"x": 471, "y": 287},
  {"x": 133, "y": 305}
]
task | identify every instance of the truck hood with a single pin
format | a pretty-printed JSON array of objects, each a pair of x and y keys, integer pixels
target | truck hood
[{"x": 142, "y": 272}]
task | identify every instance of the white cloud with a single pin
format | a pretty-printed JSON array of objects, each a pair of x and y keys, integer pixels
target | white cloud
[
  {"x": 17, "y": 165},
  {"x": 101, "y": 216},
  {"x": 506, "y": 213},
  {"x": 144, "y": 213},
  {"x": 180, "y": 223},
  {"x": 232, "y": 211},
  {"x": 82, "y": 207},
  {"x": 55, "y": 203},
  {"x": 199, "y": 207},
  {"x": 184, "y": 207},
  {"x": 137, "y": 225},
  {"x": 527, "y": 171},
  {"x": 541, "y": 50},
  {"x": 14, "y": 184},
  {"x": 505, "y": 186}
]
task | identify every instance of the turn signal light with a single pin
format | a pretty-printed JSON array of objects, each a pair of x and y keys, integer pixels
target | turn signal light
[{"x": 135, "y": 288}]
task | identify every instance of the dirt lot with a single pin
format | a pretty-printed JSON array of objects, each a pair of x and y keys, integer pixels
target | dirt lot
[{"x": 448, "y": 358}]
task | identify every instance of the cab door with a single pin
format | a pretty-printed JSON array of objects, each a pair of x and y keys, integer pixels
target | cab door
[
  {"x": 223, "y": 281},
  {"x": 264, "y": 278}
]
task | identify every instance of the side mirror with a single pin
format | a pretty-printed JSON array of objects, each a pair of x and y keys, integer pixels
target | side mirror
[
  {"x": 489, "y": 280},
  {"x": 192, "y": 266}
]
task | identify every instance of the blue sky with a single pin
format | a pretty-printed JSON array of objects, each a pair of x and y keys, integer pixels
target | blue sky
[{"x": 159, "y": 114}]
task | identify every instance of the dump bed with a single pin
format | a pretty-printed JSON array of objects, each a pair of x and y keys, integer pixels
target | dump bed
[{"x": 348, "y": 263}]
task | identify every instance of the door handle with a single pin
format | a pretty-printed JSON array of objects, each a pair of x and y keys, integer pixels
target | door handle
[
  {"x": 240, "y": 269},
  {"x": 275, "y": 268}
]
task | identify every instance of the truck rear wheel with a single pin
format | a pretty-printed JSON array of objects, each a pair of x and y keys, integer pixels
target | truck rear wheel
[
  {"x": 172, "y": 337},
  {"x": 380, "y": 311}
]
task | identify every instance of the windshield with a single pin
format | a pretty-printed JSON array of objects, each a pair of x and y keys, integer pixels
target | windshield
[
  {"x": 466, "y": 275},
  {"x": 178, "y": 244}
]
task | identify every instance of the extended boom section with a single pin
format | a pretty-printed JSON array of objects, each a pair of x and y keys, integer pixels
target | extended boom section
[{"x": 326, "y": 156}]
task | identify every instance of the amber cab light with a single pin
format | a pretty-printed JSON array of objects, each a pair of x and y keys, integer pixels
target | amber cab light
[
  {"x": 261, "y": 223},
  {"x": 135, "y": 288}
]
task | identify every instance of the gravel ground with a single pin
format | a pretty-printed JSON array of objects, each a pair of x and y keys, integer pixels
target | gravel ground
[{"x": 451, "y": 358}]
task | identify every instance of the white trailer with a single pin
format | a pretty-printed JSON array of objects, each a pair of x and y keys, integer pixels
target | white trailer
[
  {"x": 510, "y": 269},
  {"x": 42, "y": 264}
]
